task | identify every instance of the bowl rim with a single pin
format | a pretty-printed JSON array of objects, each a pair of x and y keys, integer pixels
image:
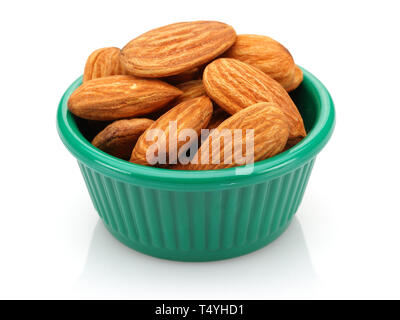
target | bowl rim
[{"x": 263, "y": 170}]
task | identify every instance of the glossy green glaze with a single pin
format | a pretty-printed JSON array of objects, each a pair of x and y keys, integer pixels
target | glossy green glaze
[{"x": 202, "y": 215}]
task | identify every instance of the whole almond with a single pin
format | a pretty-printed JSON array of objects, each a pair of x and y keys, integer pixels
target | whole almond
[
  {"x": 266, "y": 54},
  {"x": 270, "y": 136},
  {"x": 176, "y": 48},
  {"x": 235, "y": 85},
  {"x": 118, "y": 97},
  {"x": 191, "y": 114},
  {"x": 297, "y": 79},
  {"x": 102, "y": 63},
  {"x": 119, "y": 137}
]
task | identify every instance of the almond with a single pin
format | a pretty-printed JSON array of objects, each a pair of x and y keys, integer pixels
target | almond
[
  {"x": 266, "y": 54},
  {"x": 297, "y": 79},
  {"x": 271, "y": 132},
  {"x": 118, "y": 97},
  {"x": 191, "y": 114},
  {"x": 119, "y": 138},
  {"x": 102, "y": 63},
  {"x": 190, "y": 89},
  {"x": 176, "y": 48},
  {"x": 235, "y": 85},
  {"x": 192, "y": 74}
]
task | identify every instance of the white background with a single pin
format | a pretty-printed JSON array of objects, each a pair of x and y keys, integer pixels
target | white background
[{"x": 345, "y": 240}]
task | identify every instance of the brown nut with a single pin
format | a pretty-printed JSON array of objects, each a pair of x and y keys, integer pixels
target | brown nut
[
  {"x": 266, "y": 54},
  {"x": 118, "y": 97},
  {"x": 297, "y": 79},
  {"x": 176, "y": 48},
  {"x": 192, "y": 74},
  {"x": 235, "y": 85},
  {"x": 119, "y": 138},
  {"x": 102, "y": 63},
  {"x": 191, "y": 114},
  {"x": 270, "y": 136}
]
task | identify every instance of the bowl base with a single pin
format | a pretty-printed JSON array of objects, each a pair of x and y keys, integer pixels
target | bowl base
[{"x": 197, "y": 255}]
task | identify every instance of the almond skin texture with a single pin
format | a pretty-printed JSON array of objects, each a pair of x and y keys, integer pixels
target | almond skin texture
[
  {"x": 270, "y": 136},
  {"x": 266, "y": 54},
  {"x": 119, "y": 138},
  {"x": 297, "y": 79},
  {"x": 235, "y": 85},
  {"x": 118, "y": 97},
  {"x": 191, "y": 114},
  {"x": 176, "y": 48},
  {"x": 102, "y": 63},
  {"x": 191, "y": 89}
]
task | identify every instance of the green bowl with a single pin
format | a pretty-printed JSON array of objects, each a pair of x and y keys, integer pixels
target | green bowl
[{"x": 202, "y": 215}]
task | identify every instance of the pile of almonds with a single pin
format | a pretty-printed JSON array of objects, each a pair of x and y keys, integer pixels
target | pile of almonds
[{"x": 199, "y": 74}]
